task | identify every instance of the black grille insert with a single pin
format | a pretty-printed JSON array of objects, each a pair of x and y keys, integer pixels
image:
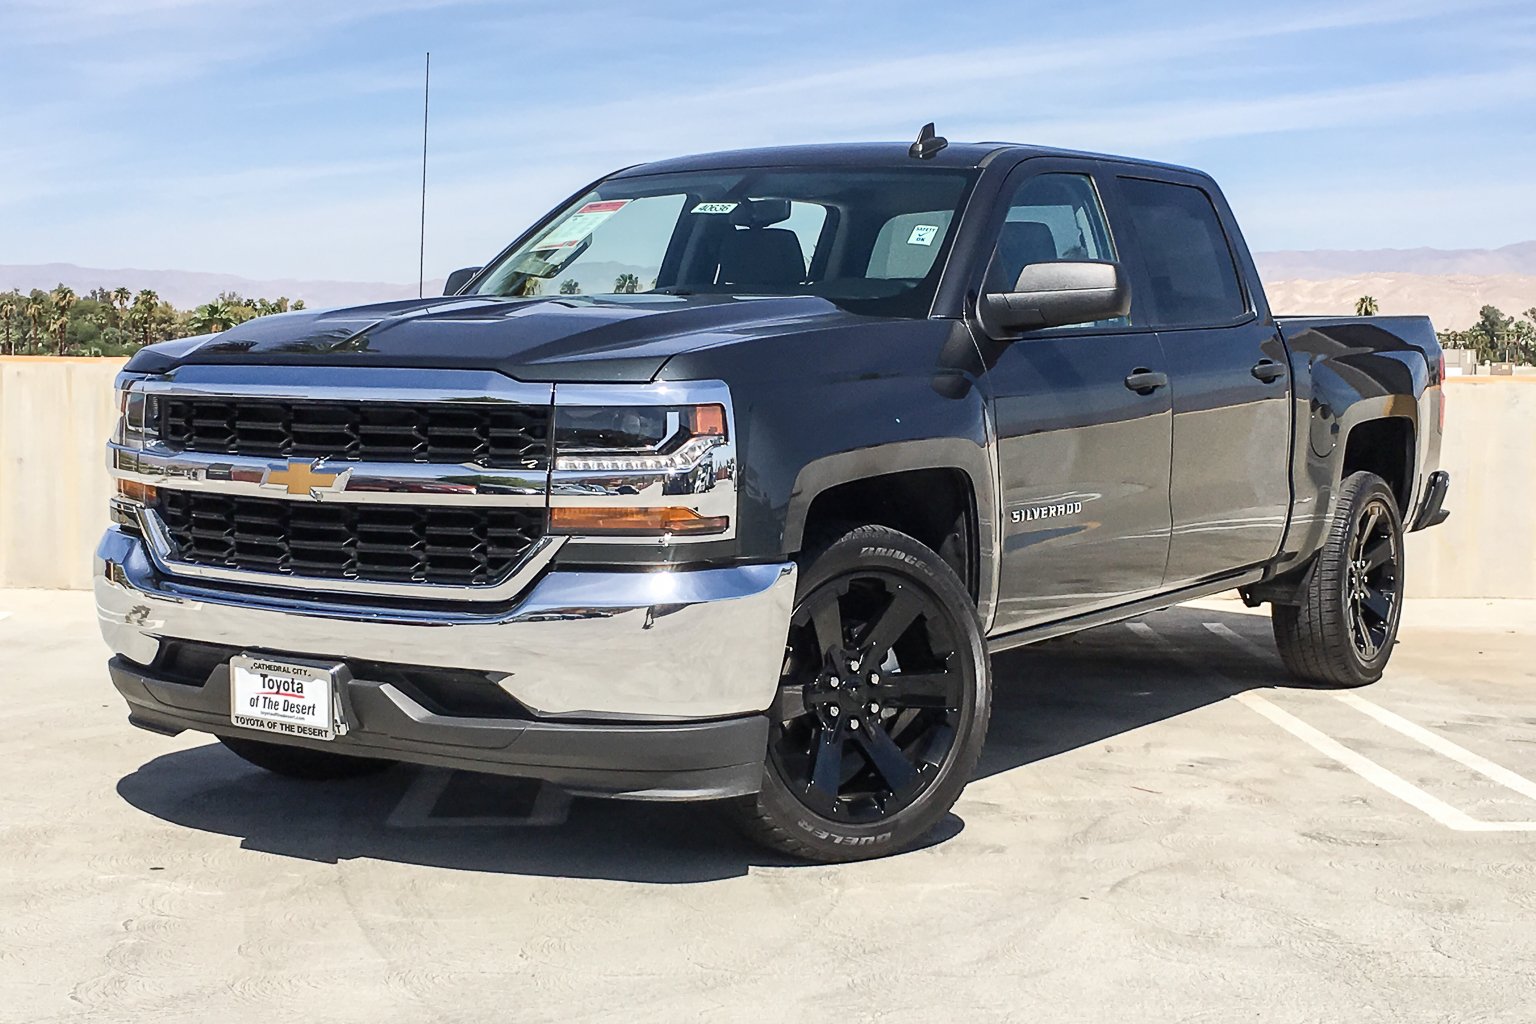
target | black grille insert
[
  {"x": 492, "y": 434},
  {"x": 376, "y": 543}
]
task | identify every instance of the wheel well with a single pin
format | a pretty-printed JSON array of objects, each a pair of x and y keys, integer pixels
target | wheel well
[
  {"x": 934, "y": 506},
  {"x": 1384, "y": 447}
]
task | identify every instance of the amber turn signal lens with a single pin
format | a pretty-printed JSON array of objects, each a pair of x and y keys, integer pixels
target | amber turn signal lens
[
  {"x": 634, "y": 521},
  {"x": 135, "y": 491},
  {"x": 709, "y": 421}
]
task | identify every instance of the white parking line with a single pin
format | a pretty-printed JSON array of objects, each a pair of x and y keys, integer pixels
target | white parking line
[
  {"x": 1361, "y": 765},
  {"x": 1439, "y": 744}
]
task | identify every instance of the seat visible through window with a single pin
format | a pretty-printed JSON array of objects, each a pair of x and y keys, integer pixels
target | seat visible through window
[{"x": 764, "y": 257}]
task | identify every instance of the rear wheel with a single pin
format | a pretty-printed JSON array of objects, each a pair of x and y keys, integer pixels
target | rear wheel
[
  {"x": 882, "y": 705},
  {"x": 1343, "y": 631},
  {"x": 302, "y": 762}
]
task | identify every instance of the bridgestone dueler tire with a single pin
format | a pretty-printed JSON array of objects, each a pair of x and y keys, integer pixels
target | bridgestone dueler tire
[
  {"x": 302, "y": 762},
  {"x": 1314, "y": 636},
  {"x": 775, "y": 817}
]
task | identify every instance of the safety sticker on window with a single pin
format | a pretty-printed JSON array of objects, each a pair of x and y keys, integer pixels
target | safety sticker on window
[
  {"x": 713, "y": 208},
  {"x": 923, "y": 234},
  {"x": 574, "y": 229}
]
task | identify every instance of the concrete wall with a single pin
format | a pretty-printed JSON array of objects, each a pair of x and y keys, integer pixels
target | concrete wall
[
  {"x": 55, "y": 415},
  {"x": 1488, "y": 546}
]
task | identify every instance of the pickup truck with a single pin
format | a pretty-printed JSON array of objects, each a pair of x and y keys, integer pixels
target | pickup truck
[{"x": 724, "y": 480}]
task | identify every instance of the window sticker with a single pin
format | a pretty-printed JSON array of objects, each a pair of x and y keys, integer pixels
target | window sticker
[
  {"x": 923, "y": 234},
  {"x": 714, "y": 208},
  {"x": 574, "y": 230}
]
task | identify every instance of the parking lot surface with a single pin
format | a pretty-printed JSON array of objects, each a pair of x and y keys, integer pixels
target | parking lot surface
[{"x": 1162, "y": 828}]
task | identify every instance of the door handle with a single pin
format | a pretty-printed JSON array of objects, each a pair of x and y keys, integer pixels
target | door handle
[
  {"x": 1268, "y": 371},
  {"x": 1144, "y": 381}
]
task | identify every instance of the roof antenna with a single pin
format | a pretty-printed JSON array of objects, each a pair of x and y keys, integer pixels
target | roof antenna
[{"x": 928, "y": 144}]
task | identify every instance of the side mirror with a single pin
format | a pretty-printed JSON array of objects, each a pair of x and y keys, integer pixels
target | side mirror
[
  {"x": 1057, "y": 295},
  {"x": 458, "y": 279}
]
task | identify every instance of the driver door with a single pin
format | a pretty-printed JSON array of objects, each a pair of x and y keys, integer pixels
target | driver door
[{"x": 1083, "y": 459}]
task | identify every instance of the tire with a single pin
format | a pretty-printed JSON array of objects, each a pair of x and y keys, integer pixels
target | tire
[
  {"x": 875, "y": 732},
  {"x": 1343, "y": 631},
  {"x": 302, "y": 762}
]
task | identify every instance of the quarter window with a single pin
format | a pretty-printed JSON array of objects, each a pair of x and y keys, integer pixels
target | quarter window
[{"x": 1189, "y": 263}]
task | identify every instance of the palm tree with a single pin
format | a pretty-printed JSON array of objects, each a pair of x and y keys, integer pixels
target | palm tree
[
  {"x": 215, "y": 316},
  {"x": 38, "y": 307},
  {"x": 7, "y": 315},
  {"x": 64, "y": 299},
  {"x": 59, "y": 327},
  {"x": 570, "y": 286},
  {"x": 120, "y": 296},
  {"x": 142, "y": 314},
  {"x": 1366, "y": 305},
  {"x": 626, "y": 284}
]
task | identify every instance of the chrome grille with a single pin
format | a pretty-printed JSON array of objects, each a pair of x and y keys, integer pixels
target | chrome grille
[
  {"x": 446, "y": 545},
  {"x": 491, "y": 434}
]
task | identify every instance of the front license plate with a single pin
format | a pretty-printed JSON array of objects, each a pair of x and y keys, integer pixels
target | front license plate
[{"x": 287, "y": 697}]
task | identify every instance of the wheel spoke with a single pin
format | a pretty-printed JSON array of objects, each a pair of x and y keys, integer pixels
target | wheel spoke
[
  {"x": 790, "y": 703},
  {"x": 887, "y": 759},
  {"x": 1378, "y": 554},
  {"x": 827, "y": 616},
  {"x": 827, "y": 770},
  {"x": 1377, "y": 604},
  {"x": 1372, "y": 516},
  {"x": 892, "y": 623},
  {"x": 920, "y": 689}
]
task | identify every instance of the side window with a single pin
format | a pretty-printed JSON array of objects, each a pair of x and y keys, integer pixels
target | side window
[
  {"x": 907, "y": 245},
  {"x": 1051, "y": 217},
  {"x": 1189, "y": 263}
]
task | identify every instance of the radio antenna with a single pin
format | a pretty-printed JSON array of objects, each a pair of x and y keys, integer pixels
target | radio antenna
[{"x": 426, "y": 101}]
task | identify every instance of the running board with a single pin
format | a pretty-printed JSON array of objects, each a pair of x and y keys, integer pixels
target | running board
[{"x": 1119, "y": 613}]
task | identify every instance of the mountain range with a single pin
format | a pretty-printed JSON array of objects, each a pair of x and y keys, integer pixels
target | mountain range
[{"x": 1449, "y": 285}]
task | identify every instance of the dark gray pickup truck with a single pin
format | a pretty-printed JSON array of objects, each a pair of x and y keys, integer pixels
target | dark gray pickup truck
[{"x": 724, "y": 480}]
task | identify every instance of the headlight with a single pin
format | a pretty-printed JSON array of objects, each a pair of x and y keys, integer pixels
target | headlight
[
  {"x": 636, "y": 438},
  {"x": 624, "y": 468},
  {"x": 133, "y": 428}
]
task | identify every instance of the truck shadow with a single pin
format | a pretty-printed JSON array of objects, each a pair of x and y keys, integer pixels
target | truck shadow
[{"x": 1050, "y": 698}]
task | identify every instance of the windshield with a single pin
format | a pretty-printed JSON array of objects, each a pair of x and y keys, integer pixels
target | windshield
[{"x": 872, "y": 241}]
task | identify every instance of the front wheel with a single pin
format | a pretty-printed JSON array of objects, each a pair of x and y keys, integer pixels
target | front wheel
[
  {"x": 1343, "y": 630},
  {"x": 882, "y": 706}
]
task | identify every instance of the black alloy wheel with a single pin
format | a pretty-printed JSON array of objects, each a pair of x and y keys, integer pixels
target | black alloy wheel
[
  {"x": 870, "y": 698},
  {"x": 881, "y": 706},
  {"x": 1342, "y": 626},
  {"x": 1375, "y": 589}
]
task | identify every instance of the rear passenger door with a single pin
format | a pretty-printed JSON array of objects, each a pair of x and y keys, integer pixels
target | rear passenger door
[{"x": 1230, "y": 490}]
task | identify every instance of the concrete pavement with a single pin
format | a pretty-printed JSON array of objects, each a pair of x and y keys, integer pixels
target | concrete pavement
[{"x": 1154, "y": 835}]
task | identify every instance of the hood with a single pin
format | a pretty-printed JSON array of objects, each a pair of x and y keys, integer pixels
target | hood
[{"x": 613, "y": 339}]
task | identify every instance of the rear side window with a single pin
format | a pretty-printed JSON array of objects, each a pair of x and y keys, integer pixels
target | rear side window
[{"x": 1189, "y": 263}]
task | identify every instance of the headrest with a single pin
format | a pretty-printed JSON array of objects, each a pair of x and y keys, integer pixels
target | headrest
[
  {"x": 762, "y": 256},
  {"x": 760, "y": 213}
]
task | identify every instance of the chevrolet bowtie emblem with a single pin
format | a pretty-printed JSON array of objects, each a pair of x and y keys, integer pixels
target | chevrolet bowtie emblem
[{"x": 301, "y": 477}]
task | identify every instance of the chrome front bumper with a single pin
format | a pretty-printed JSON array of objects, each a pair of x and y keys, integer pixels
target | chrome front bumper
[{"x": 619, "y": 646}]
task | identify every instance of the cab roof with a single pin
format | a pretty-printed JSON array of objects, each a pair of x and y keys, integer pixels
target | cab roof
[{"x": 968, "y": 155}]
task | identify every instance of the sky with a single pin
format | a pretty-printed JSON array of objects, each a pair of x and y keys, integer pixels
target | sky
[{"x": 283, "y": 140}]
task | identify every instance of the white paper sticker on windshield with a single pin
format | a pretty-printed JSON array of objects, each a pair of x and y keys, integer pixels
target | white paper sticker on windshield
[
  {"x": 923, "y": 234},
  {"x": 714, "y": 208},
  {"x": 574, "y": 229}
]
